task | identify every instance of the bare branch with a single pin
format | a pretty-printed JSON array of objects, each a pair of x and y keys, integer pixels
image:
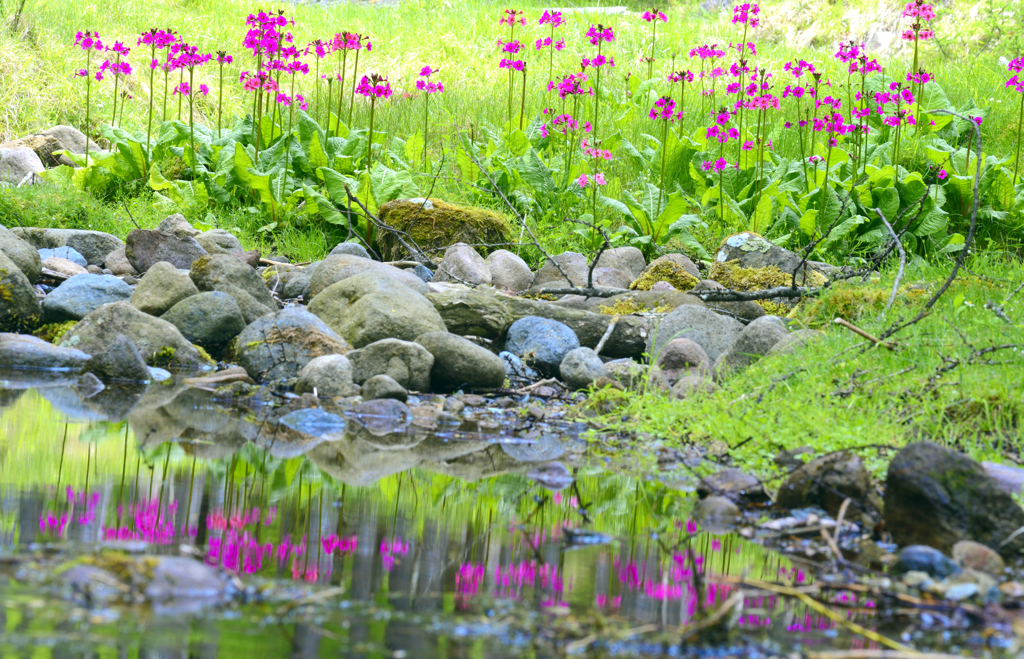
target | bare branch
[{"x": 903, "y": 262}]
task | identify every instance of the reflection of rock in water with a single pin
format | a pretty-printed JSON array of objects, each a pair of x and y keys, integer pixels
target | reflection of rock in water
[
  {"x": 541, "y": 449},
  {"x": 492, "y": 461},
  {"x": 116, "y": 400},
  {"x": 8, "y": 397},
  {"x": 167, "y": 413}
]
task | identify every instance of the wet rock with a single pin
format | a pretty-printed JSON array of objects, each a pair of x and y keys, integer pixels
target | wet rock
[
  {"x": 692, "y": 382},
  {"x": 750, "y": 250},
  {"x": 745, "y": 310},
  {"x": 217, "y": 272},
  {"x": 794, "y": 341},
  {"x": 219, "y": 241},
  {"x": 280, "y": 345},
  {"x": 329, "y": 376},
  {"x": 19, "y": 306},
  {"x": 159, "y": 341},
  {"x": 827, "y": 482},
  {"x": 210, "y": 320},
  {"x": 383, "y": 421},
  {"x": 733, "y": 484},
  {"x": 342, "y": 266},
  {"x": 22, "y": 254},
  {"x": 93, "y": 245},
  {"x": 180, "y": 578},
  {"x": 28, "y": 352},
  {"x": 935, "y": 497},
  {"x": 508, "y": 271},
  {"x": 20, "y": 166},
  {"x": 81, "y": 294},
  {"x": 754, "y": 341},
  {"x": 162, "y": 287},
  {"x": 976, "y": 556},
  {"x": 1009, "y": 478},
  {"x": 434, "y": 225},
  {"x": 352, "y": 249},
  {"x": 627, "y": 259},
  {"x": 423, "y": 272},
  {"x": 314, "y": 421},
  {"x": 63, "y": 267},
  {"x": 68, "y": 253},
  {"x": 118, "y": 264},
  {"x": 716, "y": 514},
  {"x": 120, "y": 361},
  {"x": 712, "y": 332},
  {"x": 679, "y": 355},
  {"x": 551, "y": 476},
  {"x": 144, "y": 247},
  {"x": 581, "y": 367},
  {"x": 92, "y": 584},
  {"x": 382, "y": 386},
  {"x": 541, "y": 342},
  {"x": 227, "y": 376},
  {"x": 460, "y": 363},
  {"x": 573, "y": 264},
  {"x": 405, "y": 362},
  {"x": 464, "y": 265},
  {"x": 921, "y": 558},
  {"x": 369, "y": 307}
]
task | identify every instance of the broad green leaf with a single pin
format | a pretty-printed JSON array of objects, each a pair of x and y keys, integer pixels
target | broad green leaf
[{"x": 414, "y": 148}]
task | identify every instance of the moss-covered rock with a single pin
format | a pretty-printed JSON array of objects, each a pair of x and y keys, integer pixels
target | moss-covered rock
[
  {"x": 665, "y": 271},
  {"x": 52, "y": 332},
  {"x": 435, "y": 225},
  {"x": 19, "y": 307},
  {"x": 734, "y": 276}
]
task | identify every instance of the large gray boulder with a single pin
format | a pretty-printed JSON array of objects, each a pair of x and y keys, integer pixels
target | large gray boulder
[
  {"x": 44, "y": 146},
  {"x": 581, "y": 367},
  {"x": 573, "y": 263},
  {"x": 219, "y": 241},
  {"x": 80, "y": 295},
  {"x": 224, "y": 272},
  {"x": 936, "y": 497},
  {"x": 508, "y": 271},
  {"x": 28, "y": 352},
  {"x": 353, "y": 249},
  {"x": 20, "y": 166},
  {"x": 19, "y": 306},
  {"x": 210, "y": 320},
  {"x": 541, "y": 342},
  {"x": 406, "y": 362},
  {"x": 464, "y": 265},
  {"x": 24, "y": 255},
  {"x": 162, "y": 287},
  {"x": 342, "y": 266},
  {"x": 328, "y": 375},
  {"x": 381, "y": 387},
  {"x": 279, "y": 345},
  {"x": 460, "y": 363},
  {"x": 754, "y": 342},
  {"x": 160, "y": 342},
  {"x": 120, "y": 361},
  {"x": 251, "y": 308},
  {"x": 712, "y": 332},
  {"x": 93, "y": 245},
  {"x": 371, "y": 306},
  {"x": 749, "y": 250},
  {"x": 70, "y": 139},
  {"x": 144, "y": 247},
  {"x": 628, "y": 259}
]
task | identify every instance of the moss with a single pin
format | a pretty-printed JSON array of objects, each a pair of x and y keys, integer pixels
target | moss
[
  {"x": 731, "y": 275},
  {"x": 5, "y": 290},
  {"x": 205, "y": 356},
  {"x": 52, "y": 332},
  {"x": 315, "y": 343},
  {"x": 163, "y": 357},
  {"x": 627, "y": 306},
  {"x": 665, "y": 271},
  {"x": 440, "y": 227},
  {"x": 774, "y": 308},
  {"x": 853, "y": 302}
]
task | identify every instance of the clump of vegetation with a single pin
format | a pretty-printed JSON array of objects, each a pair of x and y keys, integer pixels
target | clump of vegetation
[
  {"x": 438, "y": 225},
  {"x": 665, "y": 271},
  {"x": 853, "y": 301},
  {"x": 163, "y": 357},
  {"x": 52, "y": 332},
  {"x": 627, "y": 305}
]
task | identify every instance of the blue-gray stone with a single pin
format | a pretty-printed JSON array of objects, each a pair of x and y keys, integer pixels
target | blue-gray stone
[
  {"x": 423, "y": 272},
  {"x": 354, "y": 249},
  {"x": 541, "y": 342},
  {"x": 921, "y": 558},
  {"x": 314, "y": 421},
  {"x": 82, "y": 294},
  {"x": 515, "y": 367},
  {"x": 68, "y": 253}
]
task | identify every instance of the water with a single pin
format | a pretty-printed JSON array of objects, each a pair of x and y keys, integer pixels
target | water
[{"x": 443, "y": 543}]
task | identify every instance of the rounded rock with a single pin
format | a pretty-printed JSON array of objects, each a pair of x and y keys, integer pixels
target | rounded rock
[
  {"x": 382, "y": 386},
  {"x": 541, "y": 342},
  {"x": 460, "y": 363},
  {"x": 82, "y": 294},
  {"x": 329, "y": 375},
  {"x": 581, "y": 367}
]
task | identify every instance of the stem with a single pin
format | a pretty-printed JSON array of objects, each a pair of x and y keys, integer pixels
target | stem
[
  {"x": 1020, "y": 125},
  {"x": 341, "y": 87},
  {"x": 522, "y": 104},
  {"x": 191, "y": 121},
  {"x": 352, "y": 101},
  {"x": 181, "y": 79},
  {"x": 597, "y": 95},
  {"x": 824, "y": 186},
  {"x": 551, "y": 55},
  {"x": 970, "y": 142},
  {"x": 220, "y": 99},
  {"x": 369, "y": 139},
  {"x": 88, "y": 89},
  {"x": 291, "y": 106},
  {"x": 426, "y": 115},
  {"x": 664, "y": 149},
  {"x": 654, "y": 38},
  {"x": 117, "y": 79},
  {"x": 317, "y": 73},
  {"x": 149, "y": 121},
  {"x": 167, "y": 74}
]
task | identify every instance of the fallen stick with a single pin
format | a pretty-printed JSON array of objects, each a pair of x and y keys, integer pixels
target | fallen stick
[{"x": 856, "y": 330}]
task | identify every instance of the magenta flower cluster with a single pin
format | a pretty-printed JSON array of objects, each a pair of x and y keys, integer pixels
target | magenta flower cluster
[
  {"x": 653, "y": 14},
  {"x": 746, "y": 14},
  {"x": 920, "y": 12},
  {"x": 426, "y": 85},
  {"x": 374, "y": 87}
]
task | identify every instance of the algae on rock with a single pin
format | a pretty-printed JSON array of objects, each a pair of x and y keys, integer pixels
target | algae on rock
[
  {"x": 674, "y": 274},
  {"x": 436, "y": 225}
]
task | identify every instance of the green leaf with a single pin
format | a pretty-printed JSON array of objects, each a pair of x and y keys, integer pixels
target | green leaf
[
  {"x": 536, "y": 174},
  {"x": 414, "y": 147},
  {"x": 317, "y": 155},
  {"x": 809, "y": 222},
  {"x": 389, "y": 184}
]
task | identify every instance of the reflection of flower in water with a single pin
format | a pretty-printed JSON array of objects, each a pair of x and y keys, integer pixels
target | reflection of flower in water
[
  {"x": 468, "y": 581},
  {"x": 48, "y": 522},
  {"x": 152, "y": 523},
  {"x": 388, "y": 550}
]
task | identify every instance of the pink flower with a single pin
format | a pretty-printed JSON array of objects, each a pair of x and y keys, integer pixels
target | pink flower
[
  {"x": 582, "y": 181},
  {"x": 943, "y": 174},
  {"x": 599, "y": 178}
]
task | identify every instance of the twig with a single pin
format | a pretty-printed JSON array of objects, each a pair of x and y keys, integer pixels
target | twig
[
  {"x": 607, "y": 335},
  {"x": 856, "y": 330},
  {"x": 903, "y": 262}
]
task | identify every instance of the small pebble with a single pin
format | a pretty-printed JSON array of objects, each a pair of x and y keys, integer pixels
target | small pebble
[
  {"x": 453, "y": 405},
  {"x": 961, "y": 591},
  {"x": 535, "y": 412},
  {"x": 1011, "y": 589}
]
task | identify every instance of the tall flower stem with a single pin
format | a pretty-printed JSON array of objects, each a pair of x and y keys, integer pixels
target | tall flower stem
[
  {"x": 88, "y": 90},
  {"x": 824, "y": 186},
  {"x": 682, "y": 105},
  {"x": 597, "y": 94},
  {"x": 149, "y": 120},
  {"x": 317, "y": 73},
  {"x": 341, "y": 87},
  {"x": 654, "y": 40},
  {"x": 369, "y": 137},
  {"x": 117, "y": 79},
  {"x": 1020, "y": 125},
  {"x": 167, "y": 75},
  {"x": 191, "y": 120},
  {"x": 426, "y": 116},
  {"x": 551, "y": 55},
  {"x": 181, "y": 79},
  {"x": 352, "y": 101},
  {"x": 664, "y": 150},
  {"x": 522, "y": 103}
]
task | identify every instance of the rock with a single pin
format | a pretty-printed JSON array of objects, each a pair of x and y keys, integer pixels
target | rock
[
  {"x": 662, "y": 286},
  {"x": 754, "y": 341},
  {"x": 78, "y": 296},
  {"x": 629, "y": 373},
  {"x": 716, "y": 514},
  {"x": 181, "y": 578},
  {"x": 20, "y": 166},
  {"x": 44, "y": 146},
  {"x": 210, "y": 320},
  {"x": 120, "y": 361},
  {"x": 745, "y": 310},
  {"x": 250, "y": 307},
  {"x": 227, "y": 376},
  {"x": 460, "y": 363},
  {"x": 216, "y": 272},
  {"x": 371, "y": 306},
  {"x": 19, "y": 306},
  {"x": 573, "y": 263},
  {"x": 382, "y": 386},
  {"x": 462, "y": 264},
  {"x": 118, "y": 264},
  {"x": 280, "y": 345},
  {"x": 68, "y": 253},
  {"x": 433, "y": 225},
  {"x": 712, "y": 332},
  {"x": 581, "y": 367},
  {"x": 749, "y": 250},
  {"x": 611, "y": 278},
  {"x": 329, "y": 375},
  {"x": 691, "y": 383},
  {"x": 144, "y": 247},
  {"x": 70, "y": 139},
  {"x": 352, "y": 249},
  {"x": 794, "y": 341},
  {"x": 159, "y": 341},
  {"x": 162, "y": 287},
  {"x": 28, "y": 352},
  {"x": 681, "y": 260},
  {"x": 96, "y": 270},
  {"x": 405, "y": 362},
  {"x": 733, "y": 484},
  {"x": 679, "y": 355},
  {"x": 1009, "y": 478},
  {"x": 219, "y": 241},
  {"x": 22, "y": 254},
  {"x": 675, "y": 269},
  {"x": 508, "y": 271},
  {"x": 63, "y": 267},
  {"x": 514, "y": 367},
  {"x": 541, "y": 342},
  {"x": 342, "y": 266},
  {"x": 977, "y": 556},
  {"x": 289, "y": 282},
  {"x": 552, "y": 476},
  {"x": 176, "y": 225},
  {"x": 384, "y": 423},
  {"x": 423, "y": 273},
  {"x": 935, "y": 497},
  {"x": 829, "y": 480},
  {"x": 93, "y": 245},
  {"x": 639, "y": 302},
  {"x": 627, "y": 259},
  {"x": 921, "y": 558}
]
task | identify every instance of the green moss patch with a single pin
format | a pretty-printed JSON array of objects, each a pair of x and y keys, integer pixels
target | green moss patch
[
  {"x": 438, "y": 225},
  {"x": 665, "y": 271},
  {"x": 52, "y": 332}
]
